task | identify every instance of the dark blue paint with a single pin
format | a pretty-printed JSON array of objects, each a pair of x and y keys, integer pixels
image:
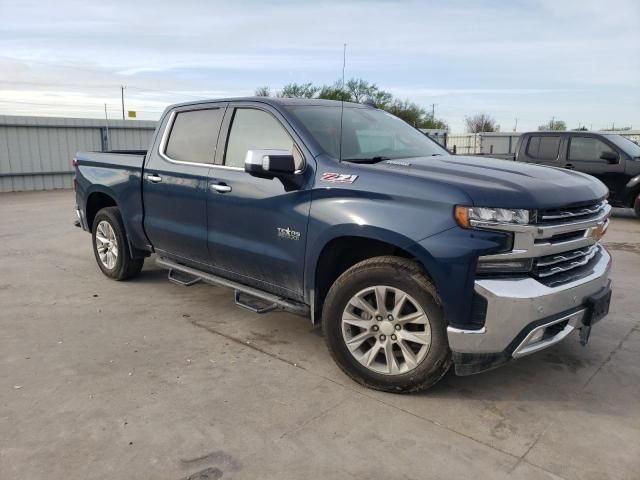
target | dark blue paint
[{"x": 235, "y": 234}]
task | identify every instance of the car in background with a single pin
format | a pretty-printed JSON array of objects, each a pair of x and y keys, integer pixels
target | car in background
[{"x": 611, "y": 158}]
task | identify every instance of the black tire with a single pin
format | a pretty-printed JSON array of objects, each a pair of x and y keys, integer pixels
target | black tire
[
  {"x": 125, "y": 266},
  {"x": 636, "y": 205},
  {"x": 410, "y": 277}
]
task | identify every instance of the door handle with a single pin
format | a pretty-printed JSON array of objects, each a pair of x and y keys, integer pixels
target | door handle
[
  {"x": 569, "y": 166},
  {"x": 153, "y": 178},
  {"x": 220, "y": 187}
]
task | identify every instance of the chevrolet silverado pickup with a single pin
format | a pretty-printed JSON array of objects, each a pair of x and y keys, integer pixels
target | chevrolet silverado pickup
[{"x": 411, "y": 259}]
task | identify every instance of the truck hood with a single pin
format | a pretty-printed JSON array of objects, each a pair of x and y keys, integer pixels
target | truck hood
[{"x": 502, "y": 183}]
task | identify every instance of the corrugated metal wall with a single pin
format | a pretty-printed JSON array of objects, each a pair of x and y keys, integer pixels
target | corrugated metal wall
[
  {"x": 36, "y": 152},
  {"x": 501, "y": 143}
]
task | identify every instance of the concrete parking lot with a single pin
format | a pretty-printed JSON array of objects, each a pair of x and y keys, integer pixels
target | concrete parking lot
[{"x": 148, "y": 380}]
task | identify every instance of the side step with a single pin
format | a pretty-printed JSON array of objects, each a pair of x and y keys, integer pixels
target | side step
[
  {"x": 182, "y": 279},
  {"x": 246, "y": 297},
  {"x": 253, "y": 304}
]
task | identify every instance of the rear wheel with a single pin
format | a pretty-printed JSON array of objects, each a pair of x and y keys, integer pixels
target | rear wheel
[
  {"x": 110, "y": 246},
  {"x": 636, "y": 205},
  {"x": 384, "y": 326}
]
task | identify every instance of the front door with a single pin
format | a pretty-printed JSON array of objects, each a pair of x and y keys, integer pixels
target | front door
[
  {"x": 258, "y": 226},
  {"x": 175, "y": 182},
  {"x": 584, "y": 155}
]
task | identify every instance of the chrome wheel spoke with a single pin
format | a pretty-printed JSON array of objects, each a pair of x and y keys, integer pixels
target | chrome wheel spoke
[
  {"x": 418, "y": 317},
  {"x": 408, "y": 355},
  {"x": 356, "y": 321},
  {"x": 400, "y": 299},
  {"x": 422, "y": 338},
  {"x": 392, "y": 362},
  {"x": 368, "y": 357},
  {"x": 357, "y": 341},
  {"x": 363, "y": 305},
  {"x": 381, "y": 295}
]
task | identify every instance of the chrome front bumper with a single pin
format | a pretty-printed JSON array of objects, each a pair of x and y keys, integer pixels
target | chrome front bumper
[{"x": 517, "y": 308}]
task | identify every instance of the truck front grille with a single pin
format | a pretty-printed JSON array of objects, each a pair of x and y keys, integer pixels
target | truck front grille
[{"x": 570, "y": 214}]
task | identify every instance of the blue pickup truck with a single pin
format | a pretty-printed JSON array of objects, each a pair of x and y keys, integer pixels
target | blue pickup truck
[{"x": 411, "y": 259}]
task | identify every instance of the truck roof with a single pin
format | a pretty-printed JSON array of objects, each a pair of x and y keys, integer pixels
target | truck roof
[{"x": 274, "y": 101}]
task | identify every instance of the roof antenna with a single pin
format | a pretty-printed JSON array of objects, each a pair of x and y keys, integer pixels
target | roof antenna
[{"x": 344, "y": 64}]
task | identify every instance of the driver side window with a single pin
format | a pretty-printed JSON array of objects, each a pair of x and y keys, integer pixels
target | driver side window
[
  {"x": 587, "y": 149},
  {"x": 254, "y": 129}
]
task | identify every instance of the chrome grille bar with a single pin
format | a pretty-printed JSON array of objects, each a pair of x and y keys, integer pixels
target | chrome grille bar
[
  {"x": 567, "y": 265},
  {"x": 572, "y": 212}
]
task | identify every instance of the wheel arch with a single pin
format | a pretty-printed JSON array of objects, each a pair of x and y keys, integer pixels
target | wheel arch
[
  {"x": 335, "y": 254},
  {"x": 96, "y": 201}
]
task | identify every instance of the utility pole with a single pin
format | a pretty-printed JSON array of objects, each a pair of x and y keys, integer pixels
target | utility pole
[
  {"x": 553, "y": 121},
  {"x": 433, "y": 112},
  {"x": 515, "y": 127},
  {"x": 122, "y": 87},
  {"x": 106, "y": 123},
  {"x": 344, "y": 62}
]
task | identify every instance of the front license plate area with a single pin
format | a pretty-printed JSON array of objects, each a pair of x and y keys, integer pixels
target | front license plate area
[
  {"x": 597, "y": 308},
  {"x": 598, "y": 304}
]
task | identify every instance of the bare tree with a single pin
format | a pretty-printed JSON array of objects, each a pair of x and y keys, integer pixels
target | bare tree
[
  {"x": 481, "y": 122},
  {"x": 263, "y": 92}
]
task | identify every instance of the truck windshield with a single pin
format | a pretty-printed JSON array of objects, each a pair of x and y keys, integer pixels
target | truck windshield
[
  {"x": 368, "y": 134},
  {"x": 627, "y": 146}
]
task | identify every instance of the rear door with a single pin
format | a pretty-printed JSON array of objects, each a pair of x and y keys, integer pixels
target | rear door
[
  {"x": 543, "y": 149},
  {"x": 583, "y": 154},
  {"x": 175, "y": 180},
  {"x": 258, "y": 226}
]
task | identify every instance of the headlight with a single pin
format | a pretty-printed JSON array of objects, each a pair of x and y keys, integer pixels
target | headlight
[{"x": 468, "y": 217}]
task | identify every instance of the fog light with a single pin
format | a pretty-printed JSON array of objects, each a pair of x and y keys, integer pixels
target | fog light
[
  {"x": 504, "y": 266},
  {"x": 536, "y": 336}
]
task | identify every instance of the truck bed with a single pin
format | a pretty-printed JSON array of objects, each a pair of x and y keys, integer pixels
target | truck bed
[{"x": 118, "y": 173}]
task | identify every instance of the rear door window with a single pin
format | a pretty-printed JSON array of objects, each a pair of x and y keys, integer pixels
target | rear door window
[
  {"x": 588, "y": 149},
  {"x": 544, "y": 147},
  {"x": 194, "y": 134},
  {"x": 533, "y": 146},
  {"x": 549, "y": 148}
]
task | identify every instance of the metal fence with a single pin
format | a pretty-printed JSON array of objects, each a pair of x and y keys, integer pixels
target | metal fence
[
  {"x": 500, "y": 143},
  {"x": 36, "y": 152}
]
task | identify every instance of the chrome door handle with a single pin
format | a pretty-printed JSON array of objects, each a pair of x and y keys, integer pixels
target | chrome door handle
[
  {"x": 152, "y": 177},
  {"x": 220, "y": 187}
]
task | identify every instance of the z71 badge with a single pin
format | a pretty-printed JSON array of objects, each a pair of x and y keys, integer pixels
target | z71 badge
[{"x": 338, "y": 177}]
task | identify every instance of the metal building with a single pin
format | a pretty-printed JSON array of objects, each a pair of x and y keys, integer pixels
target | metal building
[{"x": 36, "y": 152}]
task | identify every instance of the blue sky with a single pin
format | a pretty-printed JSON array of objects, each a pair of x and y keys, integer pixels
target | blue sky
[{"x": 578, "y": 61}]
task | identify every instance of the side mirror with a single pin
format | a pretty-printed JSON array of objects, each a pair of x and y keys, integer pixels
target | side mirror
[
  {"x": 269, "y": 163},
  {"x": 610, "y": 157}
]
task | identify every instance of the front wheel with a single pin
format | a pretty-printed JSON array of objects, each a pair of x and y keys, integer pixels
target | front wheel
[
  {"x": 384, "y": 327},
  {"x": 110, "y": 246}
]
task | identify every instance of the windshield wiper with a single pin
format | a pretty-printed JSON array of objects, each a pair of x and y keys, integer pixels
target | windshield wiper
[{"x": 366, "y": 160}]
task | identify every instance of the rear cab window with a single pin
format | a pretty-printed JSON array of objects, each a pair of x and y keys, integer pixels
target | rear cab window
[
  {"x": 193, "y": 135},
  {"x": 544, "y": 147}
]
